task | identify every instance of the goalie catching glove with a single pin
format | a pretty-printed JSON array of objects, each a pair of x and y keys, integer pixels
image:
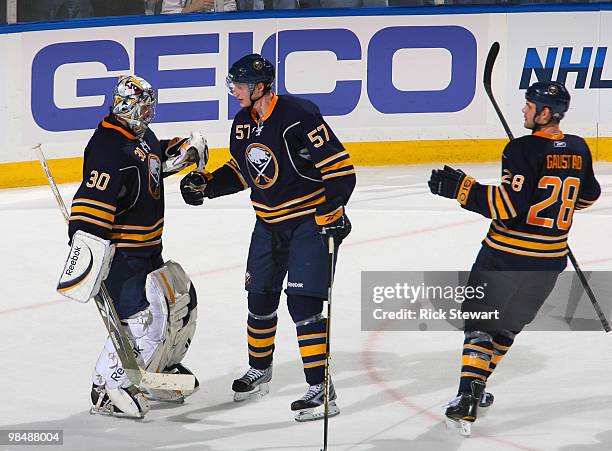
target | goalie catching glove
[
  {"x": 183, "y": 152},
  {"x": 451, "y": 183}
]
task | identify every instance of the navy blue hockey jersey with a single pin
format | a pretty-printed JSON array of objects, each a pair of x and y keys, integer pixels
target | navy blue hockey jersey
[
  {"x": 290, "y": 158},
  {"x": 545, "y": 178},
  {"x": 121, "y": 197}
]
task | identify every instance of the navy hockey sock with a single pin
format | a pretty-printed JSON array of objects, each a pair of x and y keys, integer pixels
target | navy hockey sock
[
  {"x": 476, "y": 358},
  {"x": 261, "y": 328},
  {"x": 501, "y": 343},
  {"x": 311, "y": 329}
]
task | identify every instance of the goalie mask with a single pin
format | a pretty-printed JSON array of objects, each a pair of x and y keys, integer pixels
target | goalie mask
[{"x": 134, "y": 102}]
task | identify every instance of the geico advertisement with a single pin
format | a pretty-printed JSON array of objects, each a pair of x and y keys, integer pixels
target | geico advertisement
[{"x": 377, "y": 78}]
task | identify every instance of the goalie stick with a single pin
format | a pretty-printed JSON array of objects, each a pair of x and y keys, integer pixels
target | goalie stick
[
  {"x": 106, "y": 308},
  {"x": 486, "y": 80}
]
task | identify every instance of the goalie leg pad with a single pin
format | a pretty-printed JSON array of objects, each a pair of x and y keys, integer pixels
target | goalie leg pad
[
  {"x": 108, "y": 370},
  {"x": 160, "y": 334},
  {"x": 169, "y": 290},
  {"x": 87, "y": 266},
  {"x": 145, "y": 330},
  {"x": 170, "y": 293}
]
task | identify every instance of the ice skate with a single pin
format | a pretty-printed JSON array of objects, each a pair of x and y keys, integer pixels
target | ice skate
[
  {"x": 311, "y": 406},
  {"x": 462, "y": 411},
  {"x": 253, "y": 385},
  {"x": 129, "y": 402}
]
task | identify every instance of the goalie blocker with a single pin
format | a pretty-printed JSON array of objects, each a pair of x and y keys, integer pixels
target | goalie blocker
[{"x": 87, "y": 266}]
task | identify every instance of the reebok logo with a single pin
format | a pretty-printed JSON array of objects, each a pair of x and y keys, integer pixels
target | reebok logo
[
  {"x": 74, "y": 258},
  {"x": 295, "y": 284}
]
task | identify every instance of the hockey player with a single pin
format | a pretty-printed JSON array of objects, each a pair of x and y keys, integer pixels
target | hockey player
[
  {"x": 119, "y": 210},
  {"x": 545, "y": 177},
  {"x": 301, "y": 178}
]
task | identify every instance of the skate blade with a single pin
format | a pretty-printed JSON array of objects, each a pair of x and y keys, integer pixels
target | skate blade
[
  {"x": 106, "y": 413},
  {"x": 258, "y": 392},
  {"x": 464, "y": 427},
  {"x": 317, "y": 413}
]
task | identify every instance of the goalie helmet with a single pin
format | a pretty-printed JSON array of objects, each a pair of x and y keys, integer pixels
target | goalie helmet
[
  {"x": 551, "y": 94},
  {"x": 251, "y": 69},
  {"x": 134, "y": 101}
]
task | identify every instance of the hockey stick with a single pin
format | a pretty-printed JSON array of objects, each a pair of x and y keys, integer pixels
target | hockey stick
[
  {"x": 486, "y": 79},
  {"x": 106, "y": 308},
  {"x": 331, "y": 250}
]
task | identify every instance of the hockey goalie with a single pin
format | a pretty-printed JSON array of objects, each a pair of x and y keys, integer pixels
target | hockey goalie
[{"x": 115, "y": 229}]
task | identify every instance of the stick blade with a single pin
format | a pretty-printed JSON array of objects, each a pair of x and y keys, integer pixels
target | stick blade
[
  {"x": 491, "y": 57},
  {"x": 163, "y": 381}
]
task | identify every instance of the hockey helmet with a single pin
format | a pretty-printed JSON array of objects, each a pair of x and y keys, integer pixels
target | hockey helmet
[
  {"x": 551, "y": 94},
  {"x": 134, "y": 101},
  {"x": 251, "y": 69}
]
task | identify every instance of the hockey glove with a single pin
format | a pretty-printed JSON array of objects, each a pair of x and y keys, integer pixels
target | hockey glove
[
  {"x": 182, "y": 152},
  {"x": 197, "y": 145},
  {"x": 192, "y": 188},
  {"x": 451, "y": 183},
  {"x": 333, "y": 222}
]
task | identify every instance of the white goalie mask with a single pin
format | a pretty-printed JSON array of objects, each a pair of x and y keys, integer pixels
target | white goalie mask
[{"x": 134, "y": 101}]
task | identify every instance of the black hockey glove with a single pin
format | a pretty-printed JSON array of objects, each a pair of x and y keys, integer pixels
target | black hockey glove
[
  {"x": 451, "y": 183},
  {"x": 192, "y": 188},
  {"x": 333, "y": 222}
]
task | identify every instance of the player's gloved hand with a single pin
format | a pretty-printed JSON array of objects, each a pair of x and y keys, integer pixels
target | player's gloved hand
[
  {"x": 451, "y": 183},
  {"x": 192, "y": 188},
  {"x": 197, "y": 146},
  {"x": 333, "y": 221},
  {"x": 182, "y": 152}
]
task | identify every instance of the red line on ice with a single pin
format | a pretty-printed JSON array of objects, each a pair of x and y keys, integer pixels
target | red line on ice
[
  {"x": 241, "y": 266},
  {"x": 367, "y": 361}
]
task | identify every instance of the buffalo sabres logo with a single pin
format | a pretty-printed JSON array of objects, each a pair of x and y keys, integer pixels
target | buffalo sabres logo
[
  {"x": 154, "y": 176},
  {"x": 261, "y": 165}
]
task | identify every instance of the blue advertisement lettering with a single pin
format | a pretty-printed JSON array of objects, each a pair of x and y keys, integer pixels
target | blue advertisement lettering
[
  {"x": 344, "y": 44},
  {"x": 543, "y": 71},
  {"x": 341, "y": 100},
  {"x": 147, "y": 53},
  {"x": 459, "y": 93},
  {"x": 600, "y": 59},
  {"x": 533, "y": 63},
  {"x": 45, "y": 112}
]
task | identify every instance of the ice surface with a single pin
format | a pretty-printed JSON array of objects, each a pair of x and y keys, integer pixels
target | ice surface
[{"x": 552, "y": 392}]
